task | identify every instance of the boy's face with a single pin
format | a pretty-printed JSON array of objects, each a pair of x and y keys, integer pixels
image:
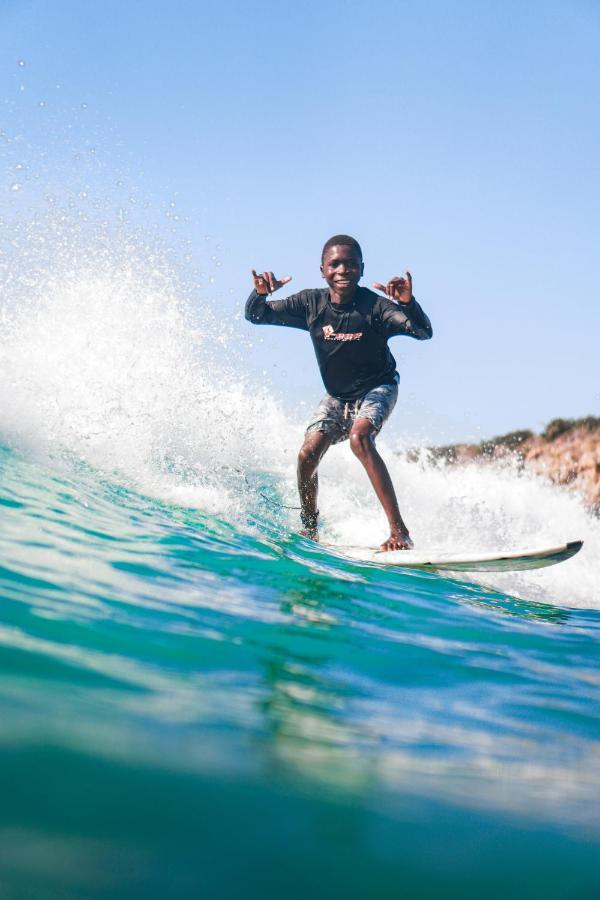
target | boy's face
[{"x": 342, "y": 268}]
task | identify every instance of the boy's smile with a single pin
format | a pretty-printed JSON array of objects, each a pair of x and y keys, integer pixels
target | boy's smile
[{"x": 341, "y": 268}]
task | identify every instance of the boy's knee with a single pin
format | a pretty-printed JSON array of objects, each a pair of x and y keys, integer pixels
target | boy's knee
[
  {"x": 361, "y": 441},
  {"x": 313, "y": 448},
  {"x": 303, "y": 455},
  {"x": 307, "y": 454}
]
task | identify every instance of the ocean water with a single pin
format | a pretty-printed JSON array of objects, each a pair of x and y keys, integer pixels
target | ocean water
[{"x": 195, "y": 701}]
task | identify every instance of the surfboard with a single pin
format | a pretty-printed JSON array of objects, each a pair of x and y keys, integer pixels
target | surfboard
[{"x": 501, "y": 561}]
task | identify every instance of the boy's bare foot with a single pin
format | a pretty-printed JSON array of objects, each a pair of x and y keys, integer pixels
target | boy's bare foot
[
  {"x": 398, "y": 540},
  {"x": 310, "y": 525}
]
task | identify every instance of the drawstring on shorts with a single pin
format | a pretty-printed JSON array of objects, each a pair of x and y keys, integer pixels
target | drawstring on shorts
[{"x": 355, "y": 404}]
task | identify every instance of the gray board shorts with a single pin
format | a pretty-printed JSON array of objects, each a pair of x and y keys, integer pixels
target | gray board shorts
[{"x": 336, "y": 417}]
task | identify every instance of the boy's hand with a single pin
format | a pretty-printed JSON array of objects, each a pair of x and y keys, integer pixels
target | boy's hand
[
  {"x": 397, "y": 288},
  {"x": 266, "y": 283}
]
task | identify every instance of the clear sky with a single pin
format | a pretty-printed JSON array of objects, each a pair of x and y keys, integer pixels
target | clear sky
[{"x": 460, "y": 140}]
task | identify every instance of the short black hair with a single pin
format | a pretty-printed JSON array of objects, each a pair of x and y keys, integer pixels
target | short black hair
[{"x": 341, "y": 240}]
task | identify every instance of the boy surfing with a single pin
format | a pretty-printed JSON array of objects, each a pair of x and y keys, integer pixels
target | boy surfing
[{"x": 349, "y": 326}]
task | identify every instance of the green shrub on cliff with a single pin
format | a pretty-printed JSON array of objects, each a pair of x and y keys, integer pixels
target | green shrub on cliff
[
  {"x": 556, "y": 427},
  {"x": 511, "y": 441},
  {"x": 451, "y": 453}
]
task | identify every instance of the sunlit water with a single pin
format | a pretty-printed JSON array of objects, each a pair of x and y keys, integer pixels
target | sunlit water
[{"x": 195, "y": 701}]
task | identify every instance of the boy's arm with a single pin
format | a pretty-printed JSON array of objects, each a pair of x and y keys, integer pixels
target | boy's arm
[
  {"x": 404, "y": 316},
  {"x": 291, "y": 311}
]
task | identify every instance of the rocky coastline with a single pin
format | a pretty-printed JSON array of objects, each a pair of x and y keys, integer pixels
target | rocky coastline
[{"x": 567, "y": 452}]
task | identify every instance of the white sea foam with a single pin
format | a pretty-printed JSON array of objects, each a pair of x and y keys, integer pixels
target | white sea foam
[
  {"x": 108, "y": 361},
  {"x": 471, "y": 508},
  {"x": 106, "y": 357}
]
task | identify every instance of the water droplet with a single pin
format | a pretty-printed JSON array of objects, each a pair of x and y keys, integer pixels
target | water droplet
[
  {"x": 19, "y": 167},
  {"x": 84, "y": 106},
  {"x": 41, "y": 103},
  {"x": 172, "y": 204},
  {"x": 119, "y": 184},
  {"x": 15, "y": 186},
  {"x": 82, "y": 195},
  {"x": 20, "y": 63},
  {"x": 21, "y": 87}
]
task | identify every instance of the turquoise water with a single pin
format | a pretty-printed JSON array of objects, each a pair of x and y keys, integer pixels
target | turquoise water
[
  {"x": 194, "y": 701},
  {"x": 196, "y": 707}
]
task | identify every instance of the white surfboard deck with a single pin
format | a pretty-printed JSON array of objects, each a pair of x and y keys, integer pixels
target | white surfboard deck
[{"x": 501, "y": 561}]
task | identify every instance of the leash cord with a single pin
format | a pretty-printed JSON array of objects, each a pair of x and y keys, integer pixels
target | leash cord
[{"x": 267, "y": 498}]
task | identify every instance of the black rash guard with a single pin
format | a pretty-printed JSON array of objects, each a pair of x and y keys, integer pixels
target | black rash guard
[{"x": 350, "y": 340}]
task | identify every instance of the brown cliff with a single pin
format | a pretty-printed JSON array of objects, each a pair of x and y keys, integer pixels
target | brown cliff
[{"x": 567, "y": 452}]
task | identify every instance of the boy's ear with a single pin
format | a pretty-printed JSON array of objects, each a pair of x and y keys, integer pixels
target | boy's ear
[
  {"x": 321, "y": 269},
  {"x": 362, "y": 268}
]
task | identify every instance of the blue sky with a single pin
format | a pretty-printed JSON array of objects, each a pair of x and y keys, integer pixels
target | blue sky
[{"x": 459, "y": 140}]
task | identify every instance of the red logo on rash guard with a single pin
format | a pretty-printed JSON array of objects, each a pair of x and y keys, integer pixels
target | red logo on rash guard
[{"x": 330, "y": 335}]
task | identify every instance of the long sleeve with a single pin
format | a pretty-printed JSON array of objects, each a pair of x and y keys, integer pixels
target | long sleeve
[
  {"x": 406, "y": 318},
  {"x": 290, "y": 312}
]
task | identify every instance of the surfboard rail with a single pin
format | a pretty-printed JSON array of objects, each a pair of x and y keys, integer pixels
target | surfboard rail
[{"x": 499, "y": 561}]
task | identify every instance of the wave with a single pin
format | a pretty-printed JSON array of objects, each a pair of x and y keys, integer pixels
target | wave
[{"x": 108, "y": 359}]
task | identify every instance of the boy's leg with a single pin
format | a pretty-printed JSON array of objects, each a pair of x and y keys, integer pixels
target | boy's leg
[
  {"x": 315, "y": 445},
  {"x": 362, "y": 442}
]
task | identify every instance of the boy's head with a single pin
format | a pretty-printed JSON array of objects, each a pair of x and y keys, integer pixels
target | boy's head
[
  {"x": 341, "y": 240},
  {"x": 342, "y": 264}
]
